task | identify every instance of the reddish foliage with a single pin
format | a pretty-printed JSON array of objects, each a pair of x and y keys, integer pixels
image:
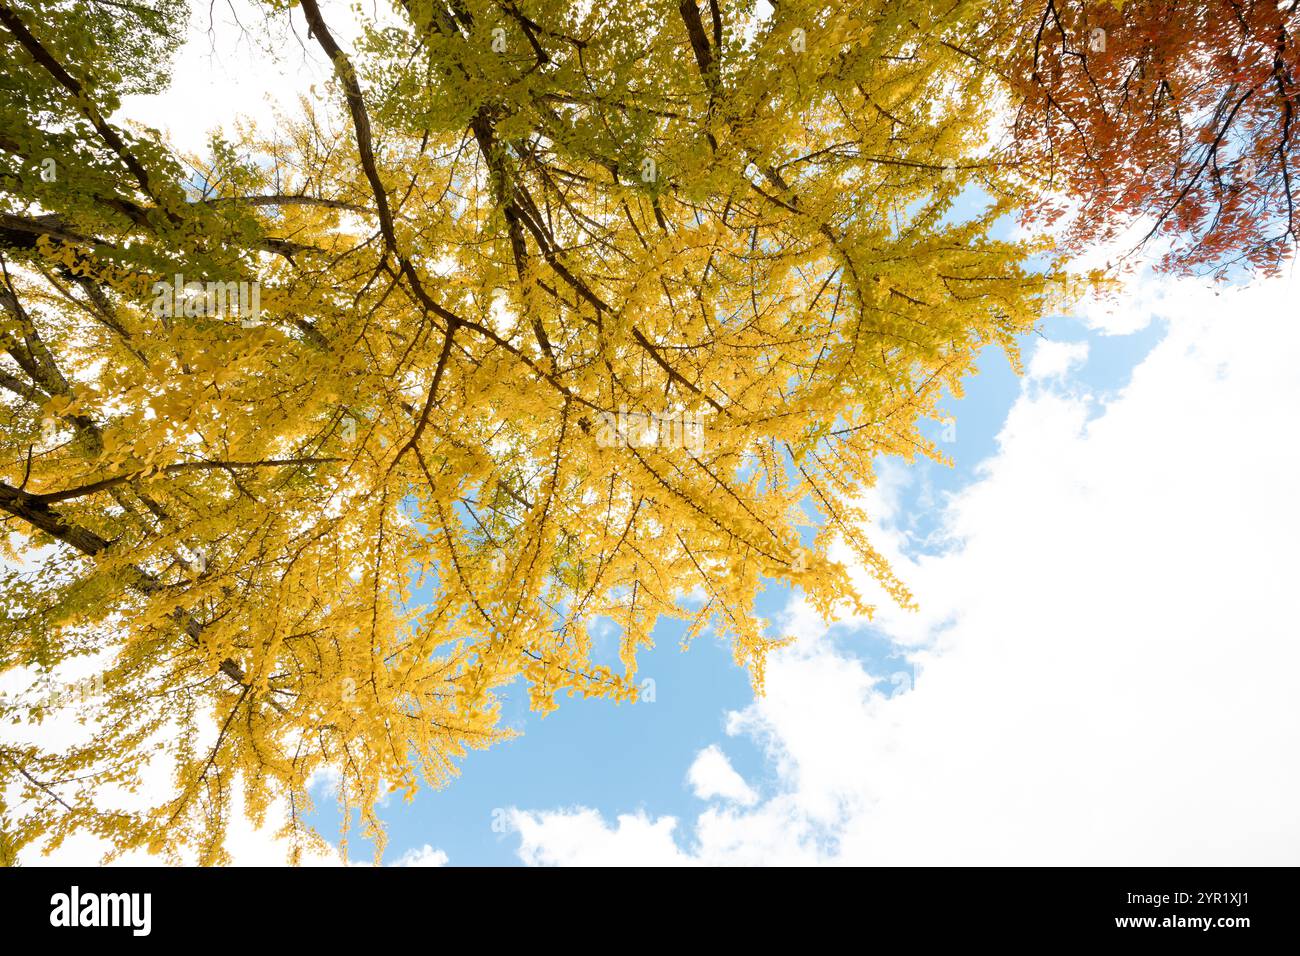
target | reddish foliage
[{"x": 1175, "y": 113}]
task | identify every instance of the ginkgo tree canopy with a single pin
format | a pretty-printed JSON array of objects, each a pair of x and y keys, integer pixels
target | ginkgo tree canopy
[{"x": 313, "y": 444}]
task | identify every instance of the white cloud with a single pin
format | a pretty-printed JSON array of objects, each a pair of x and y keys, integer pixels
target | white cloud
[
  {"x": 1112, "y": 657},
  {"x": 422, "y": 856},
  {"x": 1139, "y": 300},
  {"x": 1054, "y": 359},
  {"x": 711, "y": 775},
  {"x": 580, "y": 837}
]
